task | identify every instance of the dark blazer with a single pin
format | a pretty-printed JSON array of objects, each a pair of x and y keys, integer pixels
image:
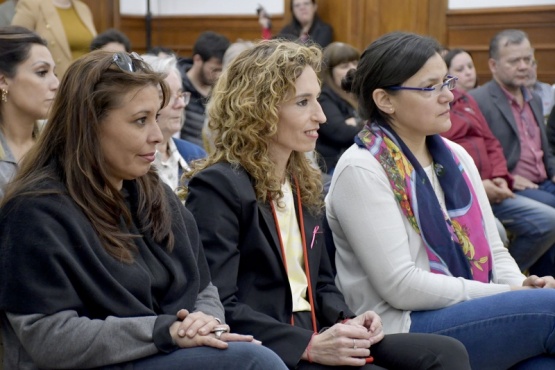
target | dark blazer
[
  {"x": 496, "y": 109},
  {"x": 320, "y": 32},
  {"x": 551, "y": 130},
  {"x": 243, "y": 251}
]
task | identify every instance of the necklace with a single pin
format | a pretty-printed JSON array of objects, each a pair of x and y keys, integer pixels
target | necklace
[{"x": 436, "y": 186}]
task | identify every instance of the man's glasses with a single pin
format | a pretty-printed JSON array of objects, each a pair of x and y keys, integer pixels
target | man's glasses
[
  {"x": 450, "y": 82},
  {"x": 125, "y": 61}
]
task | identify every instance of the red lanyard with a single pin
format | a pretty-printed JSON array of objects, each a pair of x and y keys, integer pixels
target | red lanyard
[{"x": 305, "y": 253}]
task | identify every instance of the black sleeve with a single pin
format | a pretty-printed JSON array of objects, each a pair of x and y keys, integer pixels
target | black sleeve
[{"x": 216, "y": 201}]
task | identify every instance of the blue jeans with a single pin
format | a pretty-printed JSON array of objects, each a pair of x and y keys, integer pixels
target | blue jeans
[
  {"x": 532, "y": 225},
  {"x": 239, "y": 355},
  {"x": 513, "y": 329},
  {"x": 544, "y": 194}
]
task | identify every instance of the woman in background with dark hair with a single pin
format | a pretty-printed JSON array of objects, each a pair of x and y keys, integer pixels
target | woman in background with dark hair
[
  {"x": 415, "y": 235},
  {"x": 338, "y": 133},
  {"x": 306, "y": 25},
  {"x": 101, "y": 263},
  {"x": 28, "y": 86},
  {"x": 460, "y": 64}
]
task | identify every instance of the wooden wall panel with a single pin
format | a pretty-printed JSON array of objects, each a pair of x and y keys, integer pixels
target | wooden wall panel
[
  {"x": 473, "y": 29},
  {"x": 105, "y": 13},
  {"x": 357, "y": 22}
]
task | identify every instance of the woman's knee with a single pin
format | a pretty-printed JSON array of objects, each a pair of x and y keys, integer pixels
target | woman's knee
[{"x": 444, "y": 353}]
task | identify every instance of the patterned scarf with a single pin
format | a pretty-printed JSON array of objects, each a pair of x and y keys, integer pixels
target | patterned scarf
[{"x": 456, "y": 242}]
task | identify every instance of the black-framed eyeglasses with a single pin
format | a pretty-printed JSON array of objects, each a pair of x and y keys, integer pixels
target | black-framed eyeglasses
[
  {"x": 450, "y": 82},
  {"x": 125, "y": 61}
]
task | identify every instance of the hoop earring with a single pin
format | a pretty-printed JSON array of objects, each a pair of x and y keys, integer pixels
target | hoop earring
[{"x": 4, "y": 96}]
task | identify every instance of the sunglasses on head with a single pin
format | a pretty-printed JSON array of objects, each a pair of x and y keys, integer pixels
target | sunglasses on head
[{"x": 125, "y": 61}]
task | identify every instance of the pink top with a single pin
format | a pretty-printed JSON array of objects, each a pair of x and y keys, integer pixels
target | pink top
[{"x": 530, "y": 165}]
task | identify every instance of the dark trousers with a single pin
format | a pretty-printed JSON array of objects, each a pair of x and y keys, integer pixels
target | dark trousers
[{"x": 410, "y": 351}]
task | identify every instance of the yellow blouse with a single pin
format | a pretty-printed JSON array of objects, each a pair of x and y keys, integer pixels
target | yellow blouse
[{"x": 78, "y": 35}]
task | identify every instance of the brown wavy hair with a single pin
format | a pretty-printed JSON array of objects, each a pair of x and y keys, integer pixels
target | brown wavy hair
[
  {"x": 243, "y": 116},
  {"x": 69, "y": 150}
]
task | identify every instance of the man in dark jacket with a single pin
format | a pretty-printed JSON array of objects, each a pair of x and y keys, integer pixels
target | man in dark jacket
[{"x": 199, "y": 75}]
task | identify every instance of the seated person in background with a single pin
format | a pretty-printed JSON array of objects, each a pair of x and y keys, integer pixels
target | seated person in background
[
  {"x": 338, "y": 133},
  {"x": 28, "y": 85},
  {"x": 161, "y": 51},
  {"x": 415, "y": 236},
  {"x": 123, "y": 272},
  {"x": 199, "y": 75},
  {"x": 232, "y": 51},
  {"x": 306, "y": 25},
  {"x": 172, "y": 154},
  {"x": 542, "y": 89},
  {"x": 267, "y": 255},
  {"x": 515, "y": 116},
  {"x": 111, "y": 40},
  {"x": 460, "y": 64},
  {"x": 531, "y": 223}
]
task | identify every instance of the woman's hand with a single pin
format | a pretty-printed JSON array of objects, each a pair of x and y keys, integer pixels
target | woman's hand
[
  {"x": 342, "y": 344},
  {"x": 372, "y": 322},
  {"x": 198, "y": 329},
  {"x": 534, "y": 281},
  {"x": 196, "y": 323}
]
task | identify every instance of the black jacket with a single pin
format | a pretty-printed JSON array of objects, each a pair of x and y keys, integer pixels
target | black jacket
[
  {"x": 243, "y": 252},
  {"x": 335, "y": 136},
  {"x": 320, "y": 33},
  {"x": 195, "y": 110}
]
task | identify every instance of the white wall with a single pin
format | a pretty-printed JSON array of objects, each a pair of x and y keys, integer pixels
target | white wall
[
  {"x": 470, "y": 4},
  {"x": 200, "y": 7}
]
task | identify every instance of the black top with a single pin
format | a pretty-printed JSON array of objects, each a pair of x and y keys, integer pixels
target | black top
[
  {"x": 52, "y": 260},
  {"x": 242, "y": 248},
  {"x": 335, "y": 136},
  {"x": 320, "y": 32}
]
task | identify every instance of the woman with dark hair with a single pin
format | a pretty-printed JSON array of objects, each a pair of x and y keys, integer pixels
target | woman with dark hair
[
  {"x": 339, "y": 106},
  {"x": 306, "y": 25},
  {"x": 101, "y": 263},
  {"x": 460, "y": 64},
  {"x": 267, "y": 255},
  {"x": 415, "y": 235},
  {"x": 28, "y": 86}
]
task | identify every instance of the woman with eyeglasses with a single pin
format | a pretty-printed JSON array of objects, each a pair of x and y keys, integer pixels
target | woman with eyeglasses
[
  {"x": 415, "y": 235},
  {"x": 102, "y": 266},
  {"x": 267, "y": 254},
  {"x": 172, "y": 155}
]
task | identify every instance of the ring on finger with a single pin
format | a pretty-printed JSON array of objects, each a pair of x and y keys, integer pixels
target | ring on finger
[
  {"x": 219, "y": 331},
  {"x": 354, "y": 344}
]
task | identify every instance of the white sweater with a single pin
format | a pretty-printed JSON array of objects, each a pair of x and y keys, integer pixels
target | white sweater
[{"x": 382, "y": 264}]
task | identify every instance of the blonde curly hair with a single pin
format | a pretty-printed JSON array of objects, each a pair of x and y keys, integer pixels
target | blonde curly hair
[{"x": 243, "y": 116}]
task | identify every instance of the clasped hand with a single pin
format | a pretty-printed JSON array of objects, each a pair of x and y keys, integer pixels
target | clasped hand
[
  {"x": 347, "y": 344},
  {"x": 198, "y": 329}
]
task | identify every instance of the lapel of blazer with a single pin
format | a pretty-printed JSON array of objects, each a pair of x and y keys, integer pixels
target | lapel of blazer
[
  {"x": 502, "y": 103},
  {"x": 266, "y": 211},
  {"x": 52, "y": 18},
  {"x": 84, "y": 14},
  {"x": 537, "y": 109}
]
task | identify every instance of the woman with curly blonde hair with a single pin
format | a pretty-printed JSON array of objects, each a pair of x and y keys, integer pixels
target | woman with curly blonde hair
[{"x": 258, "y": 205}]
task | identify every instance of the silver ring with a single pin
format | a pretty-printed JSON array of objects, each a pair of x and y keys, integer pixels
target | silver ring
[
  {"x": 218, "y": 332},
  {"x": 354, "y": 344}
]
